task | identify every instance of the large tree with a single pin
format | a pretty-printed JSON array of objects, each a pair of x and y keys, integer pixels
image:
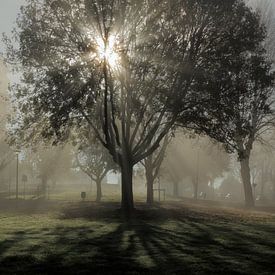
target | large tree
[
  {"x": 126, "y": 69},
  {"x": 242, "y": 99}
]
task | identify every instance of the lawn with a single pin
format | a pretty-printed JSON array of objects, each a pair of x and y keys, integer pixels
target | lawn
[{"x": 171, "y": 238}]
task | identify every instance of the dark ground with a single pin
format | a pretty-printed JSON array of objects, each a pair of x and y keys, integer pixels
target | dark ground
[{"x": 172, "y": 238}]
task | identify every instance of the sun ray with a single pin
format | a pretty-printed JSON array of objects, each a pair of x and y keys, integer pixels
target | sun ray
[{"x": 107, "y": 51}]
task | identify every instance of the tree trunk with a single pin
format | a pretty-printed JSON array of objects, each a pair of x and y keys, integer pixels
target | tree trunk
[
  {"x": 262, "y": 196},
  {"x": 150, "y": 190},
  {"x": 149, "y": 182},
  {"x": 176, "y": 189},
  {"x": 44, "y": 184},
  {"x": 245, "y": 174},
  {"x": 196, "y": 188},
  {"x": 98, "y": 191},
  {"x": 212, "y": 189},
  {"x": 127, "y": 198}
]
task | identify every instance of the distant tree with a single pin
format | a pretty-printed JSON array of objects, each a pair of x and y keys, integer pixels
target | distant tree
[
  {"x": 171, "y": 173},
  {"x": 95, "y": 161},
  {"x": 152, "y": 165},
  {"x": 47, "y": 163},
  {"x": 121, "y": 68},
  {"x": 7, "y": 155},
  {"x": 262, "y": 168},
  {"x": 199, "y": 160}
]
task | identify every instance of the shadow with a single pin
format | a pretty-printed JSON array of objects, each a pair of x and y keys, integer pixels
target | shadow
[
  {"x": 110, "y": 211},
  {"x": 35, "y": 206},
  {"x": 94, "y": 239}
]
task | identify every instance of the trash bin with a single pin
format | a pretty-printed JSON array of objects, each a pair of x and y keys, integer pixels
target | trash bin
[{"x": 83, "y": 195}]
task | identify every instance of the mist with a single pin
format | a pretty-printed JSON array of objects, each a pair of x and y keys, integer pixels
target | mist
[{"x": 137, "y": 137}]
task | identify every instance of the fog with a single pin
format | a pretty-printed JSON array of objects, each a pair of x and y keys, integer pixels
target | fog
[
  {"x": 190, "y": 166},
  {"x": 137, "y": 137}
]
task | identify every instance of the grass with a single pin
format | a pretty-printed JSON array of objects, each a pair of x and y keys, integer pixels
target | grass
[{"x": 171, "y": 238}]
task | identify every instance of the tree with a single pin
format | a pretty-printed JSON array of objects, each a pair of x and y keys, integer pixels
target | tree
[
  {"x": 47, "y": 163},
  {"x": 171, "y": 173},
  {"x": 152, "y": 165},
  {"x": 262, "y": 166},
  {"x": 94, "y": 160},
  {"x": 242, "y": 98},
  {"x": 126, "y": 69},
  {"x": 7, "y": 155},
  {"x": 197, "y": 159}
]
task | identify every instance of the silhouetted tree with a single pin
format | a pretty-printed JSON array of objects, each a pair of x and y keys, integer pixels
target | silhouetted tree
[{"x": 241, "y": 109}]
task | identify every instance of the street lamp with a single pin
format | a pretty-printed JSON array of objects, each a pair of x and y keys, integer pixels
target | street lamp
[
  {"x": 17, "y": 174},
  {"x": 254, "y": 185}
]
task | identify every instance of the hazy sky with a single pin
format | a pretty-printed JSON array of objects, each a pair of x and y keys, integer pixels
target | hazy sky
[{"x": 8, "y": 13}]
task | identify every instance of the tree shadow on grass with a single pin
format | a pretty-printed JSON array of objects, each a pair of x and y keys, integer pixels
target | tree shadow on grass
[
  {"x": 111, "y": 212},
  {"x": 35, "y": 206},
  {"x": 157, "y": 240}
]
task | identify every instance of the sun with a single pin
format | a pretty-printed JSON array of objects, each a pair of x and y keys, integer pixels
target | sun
[{"x": 107, "y": 51}]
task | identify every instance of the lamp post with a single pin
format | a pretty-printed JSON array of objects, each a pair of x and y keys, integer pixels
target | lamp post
[
  {"x": 159, "y": 187},
  {"x": 9, "y": 188},
  {"x": 24, "y": 180},
  {"x": 17, "y": 174},
  {"x": 197, "y": 171},
  {"x": 254, "y": 185}
]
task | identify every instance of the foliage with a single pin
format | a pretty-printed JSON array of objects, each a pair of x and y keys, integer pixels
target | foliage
[
  {"x": 64, "y": 81},
  {"x": 94, "y": 160},
  {"x": 48, "y": 163},
  {"x": 242, "y": 92}
]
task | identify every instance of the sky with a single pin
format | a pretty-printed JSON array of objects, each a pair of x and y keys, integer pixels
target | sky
[{"x": 8, "y": 14}]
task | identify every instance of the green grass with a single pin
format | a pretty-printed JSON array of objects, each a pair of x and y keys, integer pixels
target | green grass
[{"x": 173, "y": 238}]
